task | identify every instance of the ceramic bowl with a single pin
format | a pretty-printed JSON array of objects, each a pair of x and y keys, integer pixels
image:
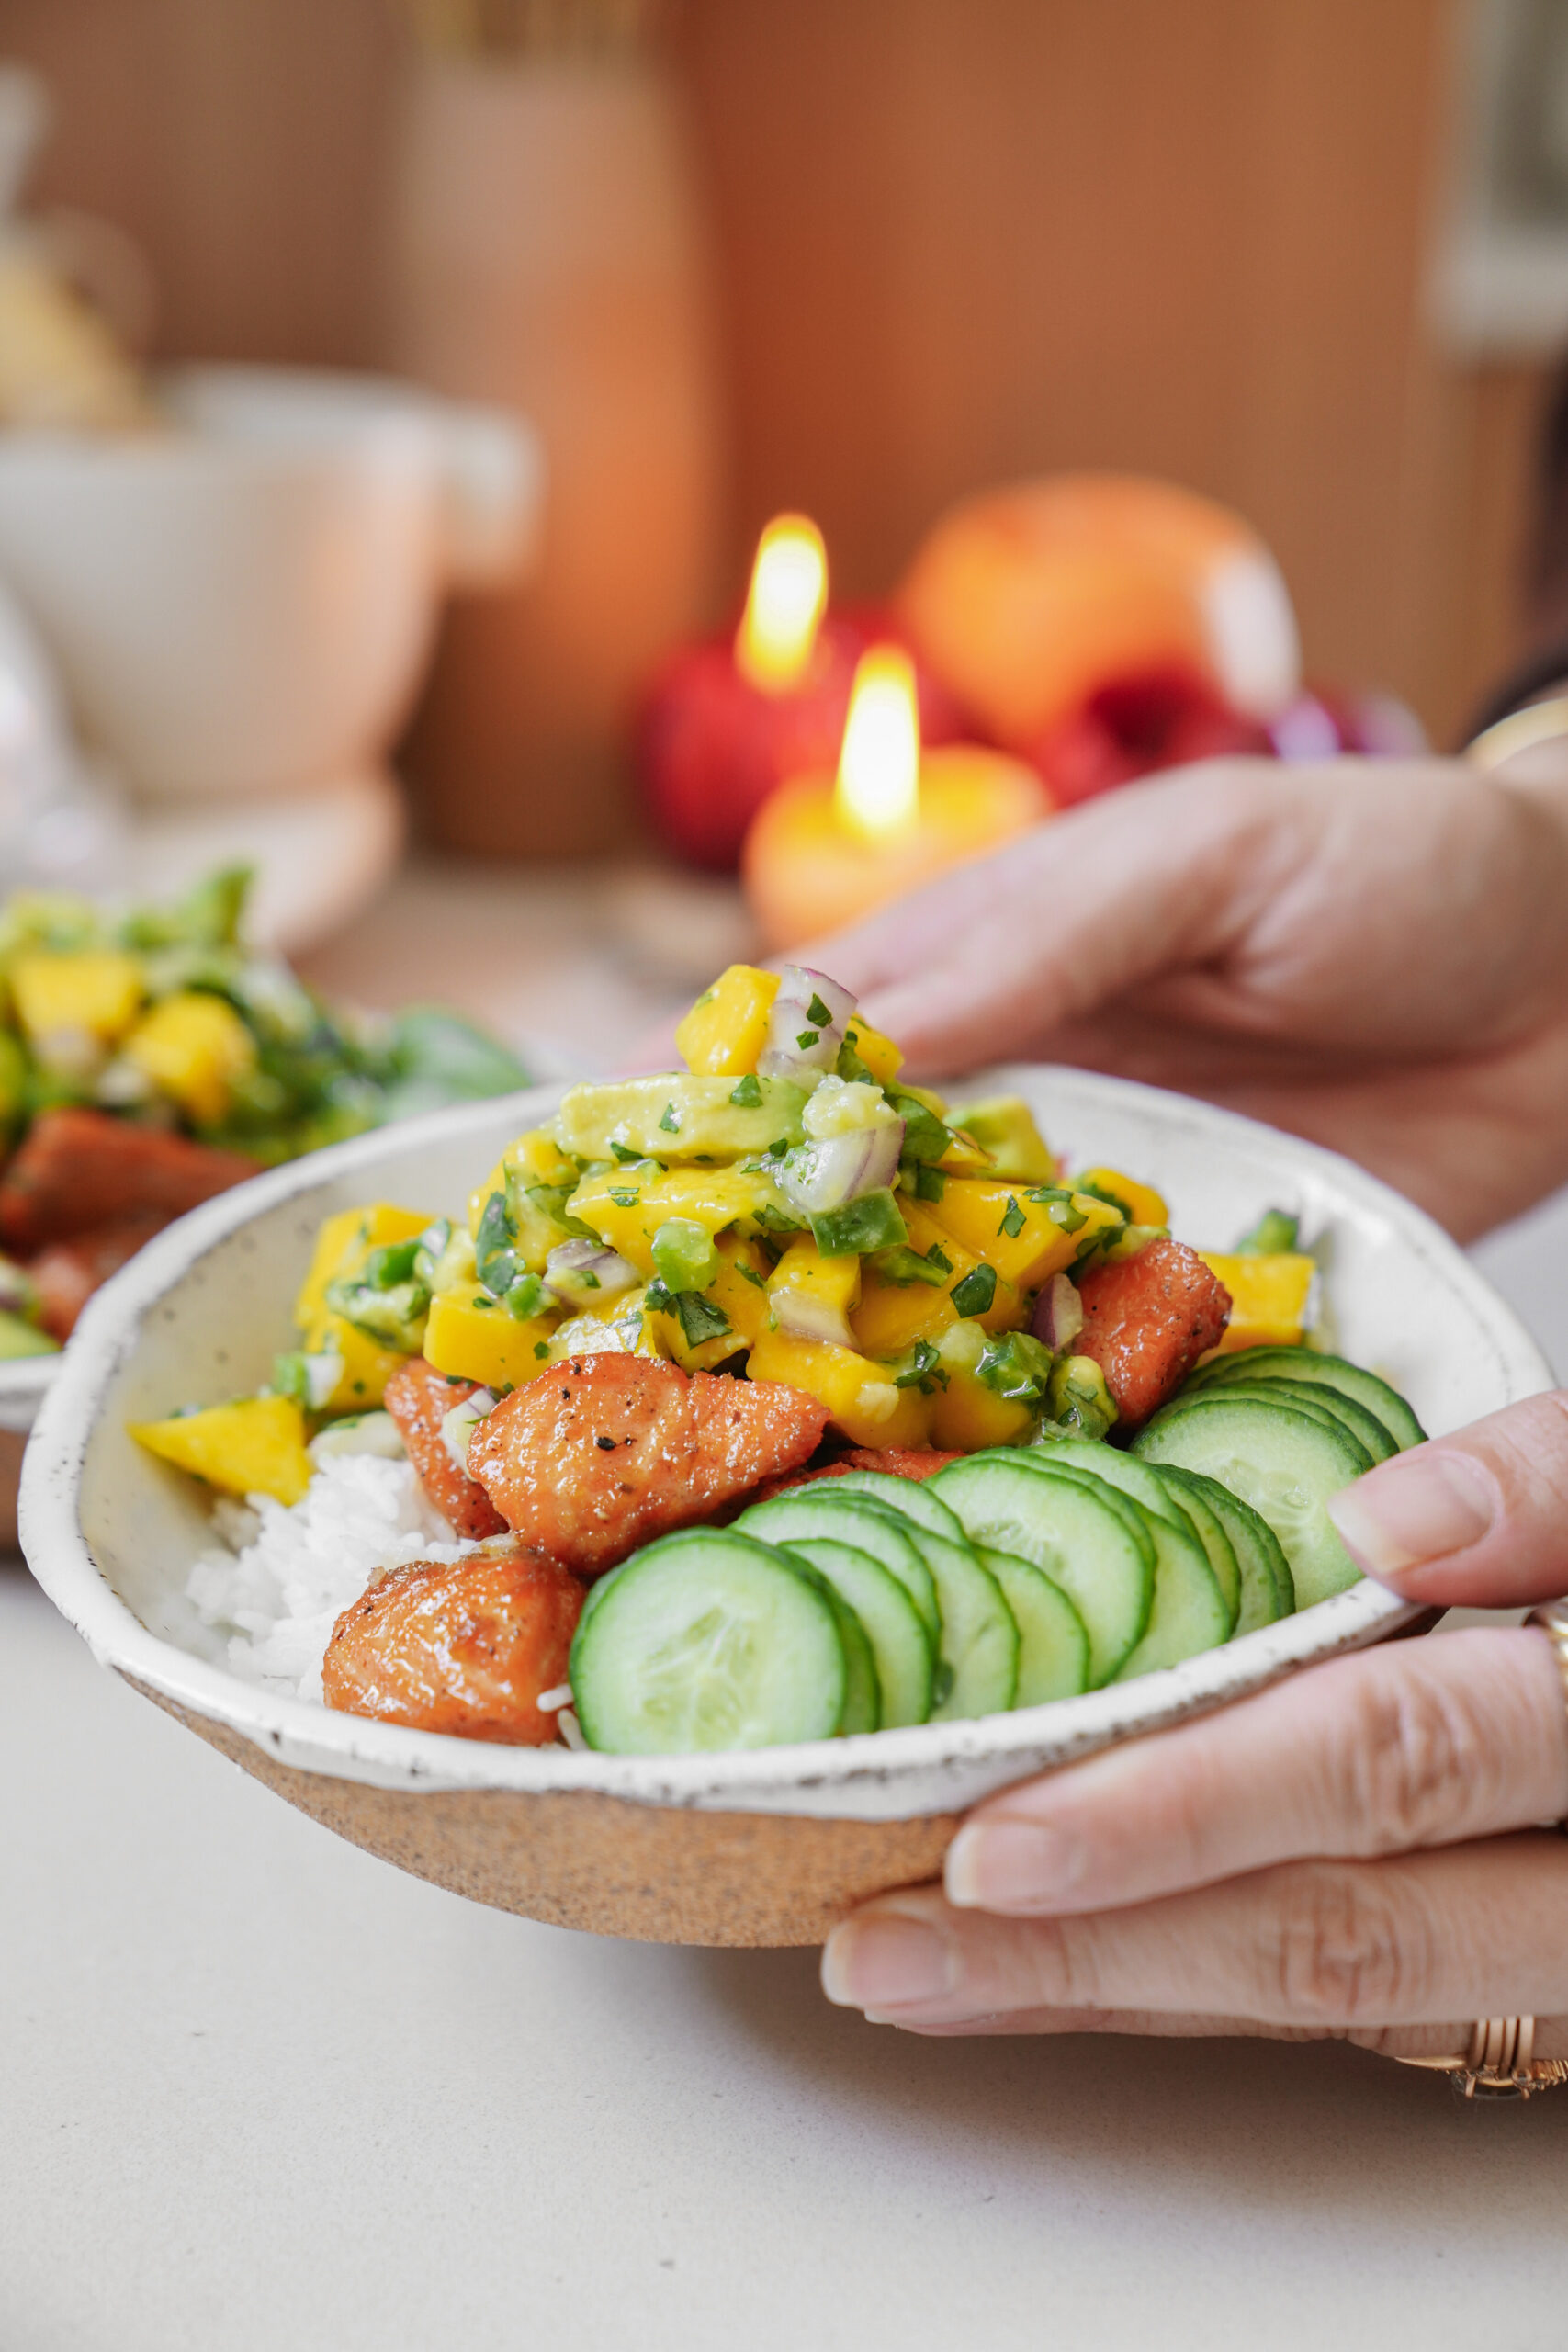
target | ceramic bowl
[
  {"x": 764, "y": 1847},
  {"x": 244, "y": 605}
]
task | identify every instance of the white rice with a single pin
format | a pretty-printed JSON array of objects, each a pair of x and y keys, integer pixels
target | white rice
[{"x": 275, "y": 1587}]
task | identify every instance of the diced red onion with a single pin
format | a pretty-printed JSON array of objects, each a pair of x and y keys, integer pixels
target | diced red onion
[
  {"x": 801, "y": 1317},
  {"x": 583, "y": 1270},
  {"x": 1058, "y": 1314},
  {"x": 817, "y": 1176},
  {"x": 458, "y": 1426},
  {"x": 783, "y": 1056}
]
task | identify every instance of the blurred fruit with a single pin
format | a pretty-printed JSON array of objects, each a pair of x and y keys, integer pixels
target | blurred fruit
[{"x": 1031, "y": 603}]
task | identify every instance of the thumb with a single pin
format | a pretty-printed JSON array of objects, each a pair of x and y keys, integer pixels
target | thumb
[{"x": 1478, "y": 1520}]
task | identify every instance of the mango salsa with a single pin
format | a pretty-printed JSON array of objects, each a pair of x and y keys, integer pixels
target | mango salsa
[
  {"x": 194, "y": 1046},
  {"x": 1270, "y": 1297},
  {"x": 1147, "y": 1205},
  {"x": 727, "y": 1026},
  {"x": 95, "y": 992},
  {"x": 472, "y": 1336},
  {"x": 862, "y": 1398},
  {"x": 1027, "y": 1238},
  {"x": 254, "y": 1447}
]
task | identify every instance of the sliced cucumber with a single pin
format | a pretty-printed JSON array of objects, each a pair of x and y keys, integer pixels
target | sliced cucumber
[
  {"x": 1173, "y": 1529},
  {"x": 1086, "y": 1537},
  {"x": 805, "y": 1511},
  {"x": 706, "y": 1640},
  {"x": 1281, "y": 1460},
  {"x": 1327, "y": 1372},
  {"x": 862, "y": 1687},
  {"x": 903, "y": 1650},
  {"x": 912, "y": 1497},
  {"x": 1209, "y": 1530},
  {"x": 1267, "y": 1590},
  {"x": 977, "y": 1672},
  {"x": 1188, "y": 1612},
  {"x": 1317, "y": 1397},
  {"x": 1053, "y": 1656}
]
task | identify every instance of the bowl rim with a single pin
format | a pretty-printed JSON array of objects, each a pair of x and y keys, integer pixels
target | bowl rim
[{"x": 863, "y": 1770}]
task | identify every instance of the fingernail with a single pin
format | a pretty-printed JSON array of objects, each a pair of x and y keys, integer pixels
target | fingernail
[
  {"x": 1004, "y": 1865},
  {"x": 1418, "y": 1509},
  {"x": 887, "y": 1959}
]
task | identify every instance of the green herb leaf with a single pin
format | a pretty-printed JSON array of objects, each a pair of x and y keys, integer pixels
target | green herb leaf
[
  {"x": 929, "y": 1183},
  {"x": 541, "y": 1349},
  {"x": 977, "y": 1293},
  {"x": 806, "y": 1039},
  {"x": 925, "y": 1137},
  {"x": 905, "y": 1266},
  {"x": 1111, "y": 1200},
  {"x": 626, "y": 1200},
  {"x": 1016, "y": 1366},
  {"x": 850, "y": 1065},
  {"x": 496, "y": 1261},
  {"x": 749, "y": 1274},
  {"x": 747, "y": 1094},
  {"x": 818, "y": 1012},
  {"x": 625, "y": 1155},
  {"x": 923, "y": 1359},
  {"x": 670, "y": 1121},
  {"x": 700, "y": 1318},
  {"x": 1012, "y": 1222}
]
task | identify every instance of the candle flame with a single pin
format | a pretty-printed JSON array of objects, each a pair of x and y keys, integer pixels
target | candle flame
[
  {"x": 783, "y": 604},
  {"x": 878, "y": 788}
]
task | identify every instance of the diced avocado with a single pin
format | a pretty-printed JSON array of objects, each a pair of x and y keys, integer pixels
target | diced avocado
[
  {"x": 20, "y": 1339},
  {"x": 1003, "y": 1125},
  {"x": 678, "y": 1117}
]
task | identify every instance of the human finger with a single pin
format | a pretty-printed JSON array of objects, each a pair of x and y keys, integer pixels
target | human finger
[
  {"x": 1478, "y": 1520},
  {"x": 1414, "y": 1744},
  {"x": 1420, "y": 1939}
]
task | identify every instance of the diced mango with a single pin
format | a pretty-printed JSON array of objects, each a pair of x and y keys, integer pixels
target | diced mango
[
  {"x": 95, "y": 991},
  {"x": 343, "y": 1244},
  {"x": 967, "y": 1416},
  {"x": 626, "y": 1207},
  {"x": 472, "y": 1336},
  {"x": 1003, "y": 1125},
  {"x": 879, "y": 1054},
  {"x": 1148, "y": 1207},
  {"x": 1008, "y": 1309},
  {"x": 193, "y": 1047},
  {"x": 367, "y": 1365},
  {"x": 826, "y": 1287},
  {"x": 965, "y": 1157},
  {"x": 740, "y": 1292},
  {"x": 727, "y": 1026},
  {"x": 891, "y": 1317},
  {"x": 254, "y": 1447},
  {"x": 1019, "y": 1236},
  {"x": 1269, "y": 1298},
  {"x": 861, "y": 1396}
]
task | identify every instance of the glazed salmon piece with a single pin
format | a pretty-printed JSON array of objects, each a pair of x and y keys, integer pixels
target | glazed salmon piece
[
  {"x": 1146, "y": 1322},
  {"x": 468, "y": 1647},
  {"x": 78, "y": 1169},
  {"x": 68, "y": 1272},
  {"x": 893, "y": 1461},
  {"x": 419, "y": 1400},
  {"x": 596, "y": 1458}
]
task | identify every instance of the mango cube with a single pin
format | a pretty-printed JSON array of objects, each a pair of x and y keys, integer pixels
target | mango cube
[
  {"x": 472, "y": 1336},
  {"x": 343, "y": 1244},
  {"x": 254, "y": 1447},
  {"x": 1021, "y": 1237},
  {"x": 727, "y": 1026},
  {"x": 626, "y": 1207},
  {"x": 740, "y": 1292},
  {"x": 861, "y": 1396},
  {"x": 967, "y": 1415},
  {"x": 193, "y": 1047},
  {"x": 1270, "y": 1297},
  {"x": 822, "y": 1290},
  {"x": 95, "y": 992},
  {"x": 1149, "y": 1207},
  {"x": 892, "y": 1317},
  {"x": 879, "y": 1054}
]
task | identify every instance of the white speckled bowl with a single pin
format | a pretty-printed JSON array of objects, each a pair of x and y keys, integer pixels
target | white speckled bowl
[{"x": 762, "y": 1847}]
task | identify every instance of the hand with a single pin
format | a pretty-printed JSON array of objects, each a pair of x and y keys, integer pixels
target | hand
[
  {"x": 1354, "y": 1854},
  {"x": 1369, "y": 952}
]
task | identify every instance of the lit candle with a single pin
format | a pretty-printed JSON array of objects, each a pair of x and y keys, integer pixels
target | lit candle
[
  {"x": 728, "y": 720},
  {"x": 827, "y": 848}
]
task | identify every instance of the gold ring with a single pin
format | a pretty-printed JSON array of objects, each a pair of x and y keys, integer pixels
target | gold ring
[{"x": 1551, "y": 1618}]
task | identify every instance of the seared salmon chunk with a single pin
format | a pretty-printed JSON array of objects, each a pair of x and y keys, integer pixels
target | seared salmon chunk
[
  {"x": 595, "y": 1458},
  {"x": 78, "y": 1169},
  {"x": 893, "y": 1461},
  {"x": 469, "y": 1646},
  {"x": 419, "y": 1400},
  {"x": 1146, "y": 1322}
]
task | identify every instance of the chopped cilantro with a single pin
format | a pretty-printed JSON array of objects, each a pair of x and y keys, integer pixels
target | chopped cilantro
[
  {"x": 1013, "y": 1219},
  {"x": 625, "y": 1155},
  {"x": 626, "y": 1200},
  {"x": 976, "y": 1294},
  {"x": 922, "y": 1374},
  {"x": 746, "y": 1274},
  {"x": 1058, "y": 1202},
  {"x": 700, "y": 1318},
  {"x": 860, "y": 1226},
  {"x": 818, "y": 1012},
  {"x": 669, "y": 1122},
  {"x": 925, "y": 1136},
  {"x": 541, "y": 1349},
  {"x": 807, "y": 1039},
  {"x": 747, "y": 1094}
]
